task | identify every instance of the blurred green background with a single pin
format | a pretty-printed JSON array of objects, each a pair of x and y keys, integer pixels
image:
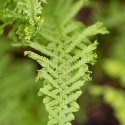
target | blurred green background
[{"x": 103, "y": 99}]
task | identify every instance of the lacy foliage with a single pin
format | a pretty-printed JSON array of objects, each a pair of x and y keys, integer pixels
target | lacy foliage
[{"x": 68, "y": 51}]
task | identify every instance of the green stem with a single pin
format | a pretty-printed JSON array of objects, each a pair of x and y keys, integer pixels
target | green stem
[{"x": 61, "y": 82}]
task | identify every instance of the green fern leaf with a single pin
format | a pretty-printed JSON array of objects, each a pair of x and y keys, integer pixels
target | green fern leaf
[{"x": 67, "y": 44}]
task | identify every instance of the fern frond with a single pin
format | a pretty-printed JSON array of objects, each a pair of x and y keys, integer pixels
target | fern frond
[{"x": 70, "y": 51}]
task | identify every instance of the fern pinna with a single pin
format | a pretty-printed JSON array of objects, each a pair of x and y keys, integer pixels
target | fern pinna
[{"x": 68, "y": 51}]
